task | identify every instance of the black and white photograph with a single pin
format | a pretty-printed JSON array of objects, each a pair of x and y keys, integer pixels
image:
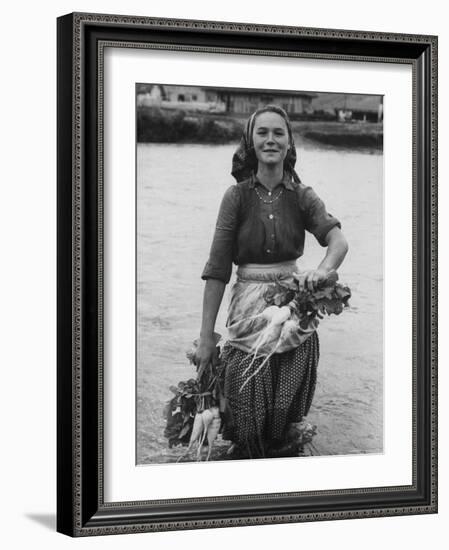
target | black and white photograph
[
  {"x": 259, "y": 274},
  {"x": 246, "y": 276},
  {"x": 182, "y": 370}
]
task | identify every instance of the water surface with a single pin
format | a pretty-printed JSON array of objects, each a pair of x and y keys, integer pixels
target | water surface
[{"x": 179, "y": 189}]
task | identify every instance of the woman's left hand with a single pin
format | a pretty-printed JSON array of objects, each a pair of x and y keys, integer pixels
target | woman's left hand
[{"x": 310, "y": 280}]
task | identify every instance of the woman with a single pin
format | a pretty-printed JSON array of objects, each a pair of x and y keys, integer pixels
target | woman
[{"x": 261, "y": 228}]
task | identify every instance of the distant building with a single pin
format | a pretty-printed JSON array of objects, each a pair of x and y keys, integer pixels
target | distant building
[
  {"x": 350, "y": 107},
  {"x": 185, "y": 94},
  {"x": 189, "y": 98},
  {"x": 365, "y": 109},
  {"x": 150, "y": 94},
  {"x": 224, "y": 100},
  {"x": 247, "y": 101}
]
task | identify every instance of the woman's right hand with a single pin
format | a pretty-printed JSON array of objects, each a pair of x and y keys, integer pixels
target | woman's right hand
[{"x": 206, "y": 353}]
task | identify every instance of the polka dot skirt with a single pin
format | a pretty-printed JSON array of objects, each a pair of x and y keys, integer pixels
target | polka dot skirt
[{"x": 279, "y": 394}]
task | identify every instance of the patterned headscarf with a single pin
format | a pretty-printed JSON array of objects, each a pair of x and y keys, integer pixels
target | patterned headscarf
[{"x": 244, "y": 161}]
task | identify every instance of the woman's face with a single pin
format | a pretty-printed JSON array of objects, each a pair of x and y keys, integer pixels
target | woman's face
[{"x": 270, "y": 138}]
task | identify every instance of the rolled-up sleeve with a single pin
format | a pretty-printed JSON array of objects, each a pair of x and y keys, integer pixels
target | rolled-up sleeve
[
  {"x": 219, "y": 264},
  {"x": 318, "y": 221}
]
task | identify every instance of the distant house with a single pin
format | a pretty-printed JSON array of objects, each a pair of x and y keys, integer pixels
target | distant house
[
  {"x": 190, "y": 98},
  {"x": 224, "y": 100},
  {"x": 185, "y": 94},
  {"x": 349, "y": 107},
  {"x": 247, "y": 101},
  {"x": 150, "y": 94},
  {"x": 365, "y": 109}
]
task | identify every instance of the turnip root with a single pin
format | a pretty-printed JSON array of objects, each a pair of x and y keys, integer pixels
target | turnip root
[
  {"x": 212, "y": 432},
  {"x": 208, "y": 415},
  {"x": 197, "y": 430},
  {"x": 278, "y": 316},
  {"x": 266, "y": 314},
  {"x": 281, "y": 315},
  {"x": 288, "y": 329},
  {"x": 202, "y": 429}
]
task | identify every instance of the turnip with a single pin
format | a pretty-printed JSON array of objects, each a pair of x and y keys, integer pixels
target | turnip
[
  {"x": 281, "y": 315},
  {"x": 200, "y": 430},
  {"x": 266, "y": 314},
  {"x": 212, "y": 432},
  {"x": 197, "y": 430},
  {"x": 269, "y": 313},
  {"x": 278, "y": 316},
  {"x": 208, "y": 416},
  {"x": 288, "y": 329}
]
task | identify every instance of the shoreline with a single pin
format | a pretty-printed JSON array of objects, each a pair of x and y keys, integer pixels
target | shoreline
[
  {"x": 353, "y": 135},
  {"x": 176, "y": 126}
]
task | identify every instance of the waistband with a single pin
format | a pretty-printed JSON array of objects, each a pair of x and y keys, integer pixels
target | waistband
[{"x": 266, "y": 272}]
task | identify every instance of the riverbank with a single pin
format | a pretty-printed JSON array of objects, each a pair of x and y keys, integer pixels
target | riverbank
[
  {"x": 176, "y": 126},
  {"x": 351, "y": 135}
]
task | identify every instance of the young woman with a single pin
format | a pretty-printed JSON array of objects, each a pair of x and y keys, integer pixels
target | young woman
[{"x": 261, "y": 228}]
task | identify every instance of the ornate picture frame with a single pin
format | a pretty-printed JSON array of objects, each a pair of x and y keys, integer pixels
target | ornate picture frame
[{"x": 82, "y": 509}]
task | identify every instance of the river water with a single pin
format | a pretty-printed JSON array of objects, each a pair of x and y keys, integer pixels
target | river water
[{"x": 179, "y": 189}]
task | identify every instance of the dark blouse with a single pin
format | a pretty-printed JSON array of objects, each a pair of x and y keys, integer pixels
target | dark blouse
[{"x": 262, "y": 227}]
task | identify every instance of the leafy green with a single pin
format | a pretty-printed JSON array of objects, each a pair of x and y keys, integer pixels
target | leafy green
[
  {"x": 190, "y": 397},
  {"x": 329, "y": 299}
]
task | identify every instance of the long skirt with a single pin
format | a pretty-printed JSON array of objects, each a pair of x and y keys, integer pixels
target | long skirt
[{"x": 261, "y": 410}]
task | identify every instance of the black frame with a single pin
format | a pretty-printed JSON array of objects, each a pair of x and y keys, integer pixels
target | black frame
[{"x": 81, "y": 510}]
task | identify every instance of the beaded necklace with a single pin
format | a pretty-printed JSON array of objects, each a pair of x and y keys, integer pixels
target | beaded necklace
[{"x": 268, "y": 202}]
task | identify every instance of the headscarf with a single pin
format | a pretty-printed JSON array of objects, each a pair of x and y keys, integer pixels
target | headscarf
[{"x": 244, "y": 161}]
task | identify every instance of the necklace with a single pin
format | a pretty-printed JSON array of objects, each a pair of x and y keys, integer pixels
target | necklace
[{"x": 268, "y": 202}]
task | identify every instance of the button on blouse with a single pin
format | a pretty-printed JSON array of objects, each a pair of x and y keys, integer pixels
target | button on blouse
[{"x": 255, "y": 225}]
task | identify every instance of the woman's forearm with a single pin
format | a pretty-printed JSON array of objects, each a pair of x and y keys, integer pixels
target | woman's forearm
[
  {"x": 337, "y": 248},
  {"x": 213, "y": 295}
]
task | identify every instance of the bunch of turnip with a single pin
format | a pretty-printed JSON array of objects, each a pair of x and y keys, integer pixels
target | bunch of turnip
[
  {"x": 280, "y": 327},
  {"x": 205, "y": 425},
  {"x": 291, "y": 310}
]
